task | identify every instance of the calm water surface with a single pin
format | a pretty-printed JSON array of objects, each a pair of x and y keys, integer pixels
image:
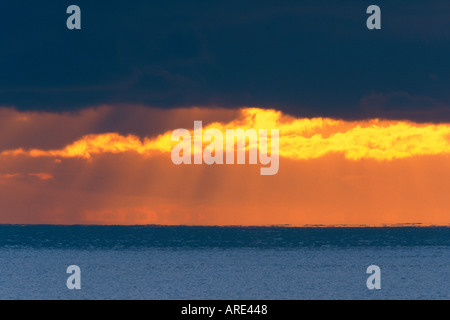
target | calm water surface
[{"x": 152, "y": 262}]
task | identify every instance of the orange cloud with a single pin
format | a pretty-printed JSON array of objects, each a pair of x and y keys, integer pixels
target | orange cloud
[
  {"x": 11, "y": 175},
  {"x": 41, "y": 176},
  {"x": 332, "y": 172},
  {"x": 300, "y": 139}
]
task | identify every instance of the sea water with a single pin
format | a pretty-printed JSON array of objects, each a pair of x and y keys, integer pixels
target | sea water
[{"x": 154, "y": 262}]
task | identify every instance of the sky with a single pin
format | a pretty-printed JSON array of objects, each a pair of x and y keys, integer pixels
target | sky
[{"x": 86, "y": 116}]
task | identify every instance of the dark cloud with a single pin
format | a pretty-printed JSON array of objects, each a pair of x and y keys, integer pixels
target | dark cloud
[
  {"x": 49, "y": 130},
  {"x": 404, "y": 106},
  {"x": 307, "y": 58}
]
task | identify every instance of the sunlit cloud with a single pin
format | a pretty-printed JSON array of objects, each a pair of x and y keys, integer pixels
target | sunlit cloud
[
  {"x": 41, "y": 176},
  {"x": 300, "y": 139},
  {"x": 331, "y": 172}
]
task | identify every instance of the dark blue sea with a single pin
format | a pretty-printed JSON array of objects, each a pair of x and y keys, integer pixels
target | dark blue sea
[{"x": 155, "y": 262}]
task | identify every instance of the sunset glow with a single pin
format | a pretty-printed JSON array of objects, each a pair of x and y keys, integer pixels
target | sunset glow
[
  {"x": 331, "y": 172},
  {"x": 300, "y": 139}
]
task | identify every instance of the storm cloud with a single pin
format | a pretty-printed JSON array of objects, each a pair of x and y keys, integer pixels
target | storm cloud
[{"x": 302, "y": 57}]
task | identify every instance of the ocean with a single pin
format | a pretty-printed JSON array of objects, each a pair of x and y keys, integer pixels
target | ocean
[{"x": 237, "y": 263}]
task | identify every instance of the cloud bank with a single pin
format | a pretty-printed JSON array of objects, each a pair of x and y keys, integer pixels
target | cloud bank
[{"x": 332, "y": 172}]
